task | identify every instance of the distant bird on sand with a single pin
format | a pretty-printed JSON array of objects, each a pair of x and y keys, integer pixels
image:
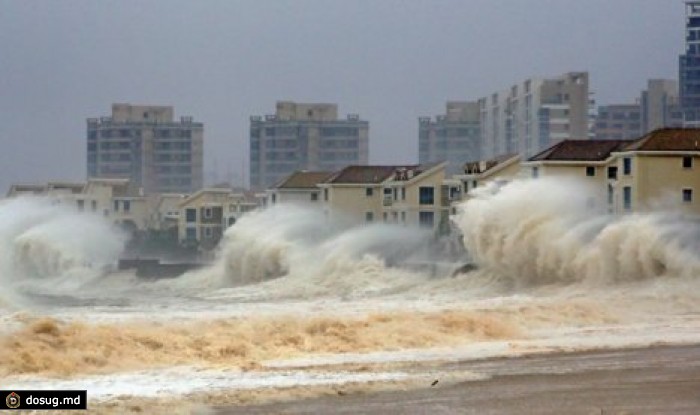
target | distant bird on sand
[{"x": 435, "y": 382}]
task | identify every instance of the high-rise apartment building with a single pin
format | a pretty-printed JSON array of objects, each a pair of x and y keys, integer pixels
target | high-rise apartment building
[
  {"x": 689, "y": 66},
  {"x": 454, "y": 137},
  {"x": 146, "y": 145},
  {"x": 660, "y": 105},
  {"x": 304, "y": 137},
  {"x": 619, "y": 122},
  {"x": 534, "y": 115},
  {"x": 657, "y": 107}
]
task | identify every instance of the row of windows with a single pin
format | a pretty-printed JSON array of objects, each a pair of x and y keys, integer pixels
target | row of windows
[
  {"x": 426, "y": 194},
  {"x": 81, "y": 205},
  {"x": 632, "y": 126},
  {"x": 687, "y": 163},
  {"x": 135, "y": 132},
  {"x": 287, "y": 131},
  {"x": 174, "y": 157},
  {"x": 281, "y": 143},
  {"x": 112, "y": 145},
  {"x": 284, "y": 156},
  {"x": 175, "y": 181},
  {"x": 348, "y": 156},
  {"x": 339, "y": 131},
  {"x": 117, "y": 170},
  {"x": 175, "y": 145},
  {"x": 456, "y": 132},
  {"x": 686, "y": 196},
  {"x": 351, "y": 143},
  {"x": 174, "y": 169},
  {"x": 125, "y": 204},
  {"x": 115, "y": 157},
  {"x": 172, "y": 133},
  {"x": 620, "y": 115}
]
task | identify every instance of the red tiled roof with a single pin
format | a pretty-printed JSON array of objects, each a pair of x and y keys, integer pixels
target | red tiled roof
[
  {"x": 668, "y": 139},
  {"x": 581, "y": 150},
  {"x": 365, "y": 174},
  {"x": 377, "y": 174},
  {"x": 303, "y": 180}
]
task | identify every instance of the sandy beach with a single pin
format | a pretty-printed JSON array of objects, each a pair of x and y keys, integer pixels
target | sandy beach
[{"x": 656, "y": 380}]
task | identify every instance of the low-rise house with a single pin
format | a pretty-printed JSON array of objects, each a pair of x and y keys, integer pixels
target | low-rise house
[
  {"x": 502, "y": 168},
  {"x": 410, "y": 195},
  {"x": 205, "y": 215},
  {"x": 165, "y": 210},
  {"x": 591, "y": 161},
  {"x": 300, "y": 187},
  {"x": 659, "y": 171},
  {"x": 111, "y": 198},
  {"x": 18, "y": 190}
]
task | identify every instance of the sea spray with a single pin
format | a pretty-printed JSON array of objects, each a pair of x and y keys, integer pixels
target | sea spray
[
  {"x": 548, "y": 230},
  {"x": 313, "y": 253},
  {"x": 52, "y": 248}
]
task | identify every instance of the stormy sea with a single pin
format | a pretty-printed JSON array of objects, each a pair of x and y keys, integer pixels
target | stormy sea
[{"x": 296, "y": 307}]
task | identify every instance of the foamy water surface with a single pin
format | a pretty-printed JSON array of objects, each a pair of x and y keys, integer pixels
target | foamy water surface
[{"x": 289, "y": 304}]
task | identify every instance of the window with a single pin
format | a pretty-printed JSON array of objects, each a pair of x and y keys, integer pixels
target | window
[
  {"x": 403, "y": 193},
  {"x": 627, "y": 197},
  {"x": 403, "y": 217},
  {"x": 369, "y": 192},
  {"x": 612, "y": 173},
  {"x": 687, "y": 162},
  {"x": 611, "y": 195},
  {"x": 191, "y": 215},
  {"x": 231, "y": 221},
  {"x": 426, "y": 196},
  {"x": 474, "y": 184},
  {"x": 191, "y": 234},
  {"x": 687, "y": 195},
  {"x": 385, "y": 216},
  {"x": 426, "y": 219},
  {"x": 394, "y": 217},
  {"x": 369, "y": 217},
  {"x": 535, "y": 172},
  {"x": 208, "y": 233},
  {"x": 208, "y": 212},
  {"x": 81, "y": 205},
  {"x": 626, "y": 166},
  {"x": 274, "y": 198},
  {"x": 116, "y": 206},
  {"x": 590, "y": 171},
  {"x": 127, "y": 206},
  {"x": 94, "y": 206},
  {"x": 325, "y": 195},
  {"x": 314, "y": 197}
]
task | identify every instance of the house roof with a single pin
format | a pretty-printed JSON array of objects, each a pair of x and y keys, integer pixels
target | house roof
[
  {"x": 667, "y": 139},
  {"x": 486, "y": 165},
  {"x": 580, "y": 150},
  {"x": 204, "y": 192},
  {"x": 28, "y": 187},
  {"x": 303, "y": 180},
  {"x": 375, "y": 174}
]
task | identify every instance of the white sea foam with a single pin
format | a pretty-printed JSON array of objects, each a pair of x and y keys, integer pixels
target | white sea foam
[{"x": 46, "y": 248}]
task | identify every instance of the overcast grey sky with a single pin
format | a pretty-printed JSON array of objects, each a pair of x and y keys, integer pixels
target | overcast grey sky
[{"x": 222, "y": 61}]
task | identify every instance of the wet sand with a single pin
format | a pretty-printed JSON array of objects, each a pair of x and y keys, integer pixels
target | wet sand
[{"x": 657, "y": 380}]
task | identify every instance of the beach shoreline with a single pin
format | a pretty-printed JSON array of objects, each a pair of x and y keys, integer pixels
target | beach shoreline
[{"x": 658, "y": 379}]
